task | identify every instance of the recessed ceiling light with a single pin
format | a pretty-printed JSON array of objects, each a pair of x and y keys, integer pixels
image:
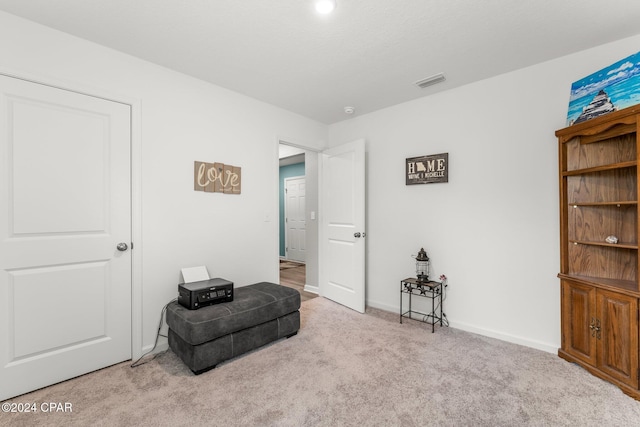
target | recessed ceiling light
[{"x": 325, "y": 6}]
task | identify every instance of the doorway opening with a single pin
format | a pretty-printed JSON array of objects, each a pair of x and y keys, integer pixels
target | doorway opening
[{"x": 293, "y": 208}]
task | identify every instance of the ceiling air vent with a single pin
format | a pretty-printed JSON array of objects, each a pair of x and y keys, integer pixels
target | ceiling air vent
[{"x": 429, "y": 81}]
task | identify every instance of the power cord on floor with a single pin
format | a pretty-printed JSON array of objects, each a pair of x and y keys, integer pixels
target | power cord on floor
[
  {"x": 162, "y": 314},
  {"x": 445, "y": 321},
  {"x": 440, "y": 304}
]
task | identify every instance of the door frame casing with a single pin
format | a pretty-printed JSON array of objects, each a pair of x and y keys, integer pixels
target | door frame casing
[{"x": 136, "y": 178}]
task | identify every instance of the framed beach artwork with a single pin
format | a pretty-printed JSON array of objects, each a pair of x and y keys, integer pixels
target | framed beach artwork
[{"x": 610, "y": 89}]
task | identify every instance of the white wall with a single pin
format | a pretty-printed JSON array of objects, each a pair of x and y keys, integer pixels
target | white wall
[
  {"x": 183, "y": 120},
  {"x": 493, "y": 228}
]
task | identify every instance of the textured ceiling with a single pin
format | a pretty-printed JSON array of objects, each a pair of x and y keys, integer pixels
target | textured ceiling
[{"x": 367, "y": 54}]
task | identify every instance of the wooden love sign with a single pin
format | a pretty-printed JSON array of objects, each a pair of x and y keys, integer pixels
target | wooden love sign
[{"x": 216, "y": 178}]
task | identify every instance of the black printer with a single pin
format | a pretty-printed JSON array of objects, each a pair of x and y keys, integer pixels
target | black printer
[{"x": 200, "y": 294}]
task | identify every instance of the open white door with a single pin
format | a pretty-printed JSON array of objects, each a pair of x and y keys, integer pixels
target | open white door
[
  {"x": 65, "y": 231},
  {"x": 343, "y": 225},
  {"x": 295, "y": 221}
]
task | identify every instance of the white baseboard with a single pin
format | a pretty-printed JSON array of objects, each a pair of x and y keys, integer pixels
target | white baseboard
[
  {"x": 292, "y": 260},
  {"x": 384, "y": 307},
  {"x": 312, "y": 289},
  {"x": 163, "y": 344},
  {"x": 547, "y": 347}
]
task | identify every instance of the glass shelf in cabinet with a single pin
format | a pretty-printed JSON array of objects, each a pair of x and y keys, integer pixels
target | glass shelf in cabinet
[
  {"x": 632, "y": 246},
  {"x": 621, "y": 165},
  {"x": 619, "y": 204}
]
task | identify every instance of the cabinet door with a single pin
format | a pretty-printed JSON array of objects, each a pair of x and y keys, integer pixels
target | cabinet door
[
  {"x": 618, "y": 344},
  {"x": 578, "y": 314}
]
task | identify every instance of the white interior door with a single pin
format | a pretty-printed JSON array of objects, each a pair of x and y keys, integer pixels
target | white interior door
[
  {"x": 295, "y": 221},
  {"x": 65, "y": 204},
  {"x": 343, "y": 225}
]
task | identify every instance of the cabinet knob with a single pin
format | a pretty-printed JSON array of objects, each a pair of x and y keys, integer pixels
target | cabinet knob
[{"x": 595, "y": 328}]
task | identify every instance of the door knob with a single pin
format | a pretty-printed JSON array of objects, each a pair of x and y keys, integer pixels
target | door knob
[
  {"x": 356, "y": 235},
  {"x": 122, "y": 247}
]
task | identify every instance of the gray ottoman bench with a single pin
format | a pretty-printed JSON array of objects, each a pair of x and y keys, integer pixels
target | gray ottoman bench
[{"x": 259, "y": 314}]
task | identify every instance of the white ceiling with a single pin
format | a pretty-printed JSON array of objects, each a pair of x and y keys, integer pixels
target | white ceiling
[
  {"x": 288, "y": 151},
  {"x": 367, "y": 54}
]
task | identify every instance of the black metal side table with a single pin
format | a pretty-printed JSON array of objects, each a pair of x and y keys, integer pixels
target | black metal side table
[{"x": 425, "y": 289}]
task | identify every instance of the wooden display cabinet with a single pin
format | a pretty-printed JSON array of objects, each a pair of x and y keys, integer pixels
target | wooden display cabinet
[{"x": 598, "y": 162}]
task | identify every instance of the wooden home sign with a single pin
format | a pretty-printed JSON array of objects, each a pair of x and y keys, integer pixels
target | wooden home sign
[
  {"x": 427, "y": 169},
  {"x": 216, "y": 178}
]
